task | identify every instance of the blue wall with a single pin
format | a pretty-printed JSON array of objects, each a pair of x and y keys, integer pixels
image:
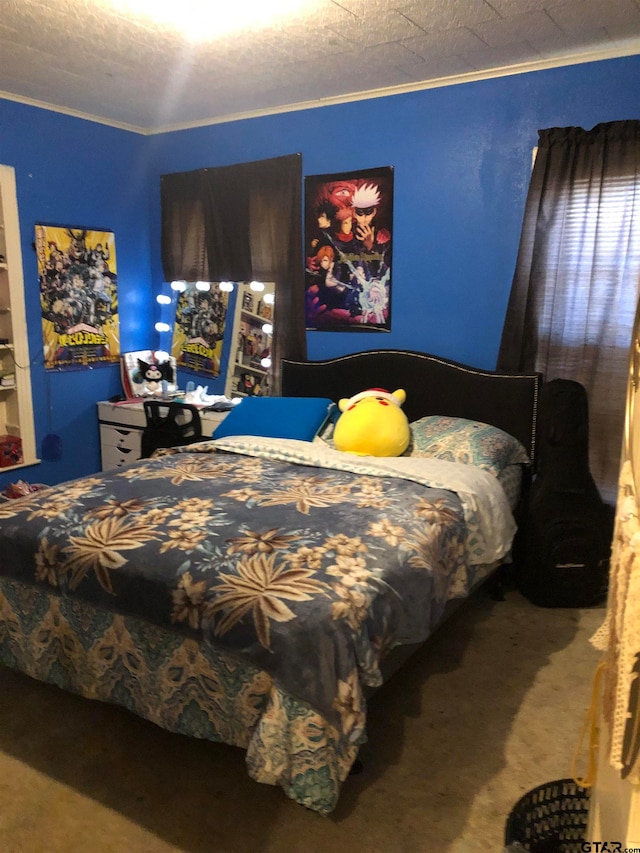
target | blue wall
[
  {"x": 461, "y": 158},
  {"x": 74, "y": 172}
]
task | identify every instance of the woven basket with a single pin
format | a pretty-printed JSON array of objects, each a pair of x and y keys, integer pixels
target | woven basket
[{"x": 551, "y": 818}]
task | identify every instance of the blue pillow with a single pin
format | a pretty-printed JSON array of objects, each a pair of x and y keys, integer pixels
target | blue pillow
[{"x": 277, "y": 417}]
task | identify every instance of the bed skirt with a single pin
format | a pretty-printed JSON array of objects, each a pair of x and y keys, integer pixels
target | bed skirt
[{"x": 181, "y": 685}]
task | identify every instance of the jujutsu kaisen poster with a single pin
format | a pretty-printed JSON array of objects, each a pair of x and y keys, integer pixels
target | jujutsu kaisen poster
[
  {"x": 78, "y": 296},
  {"x": 199, "y": 329},
  {"x": 348, "y": 229}
]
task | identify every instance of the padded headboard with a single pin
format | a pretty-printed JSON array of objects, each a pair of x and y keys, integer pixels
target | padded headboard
[{"x": 434, "y": 386}]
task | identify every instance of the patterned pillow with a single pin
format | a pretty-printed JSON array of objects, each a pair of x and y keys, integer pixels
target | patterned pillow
[{"x": 469, "y": 442}]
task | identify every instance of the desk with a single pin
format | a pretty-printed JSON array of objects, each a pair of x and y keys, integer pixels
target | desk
[{"x": 121, "y": 428}]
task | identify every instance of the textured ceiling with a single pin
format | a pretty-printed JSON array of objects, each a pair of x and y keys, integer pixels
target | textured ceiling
[{"x": 84, "y": 57}]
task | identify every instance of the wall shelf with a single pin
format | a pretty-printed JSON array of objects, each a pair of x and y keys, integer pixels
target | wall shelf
[
  {"x": 20, "y": 465},
  {"x": 259, "y": 370},
  {"x": 249, "y": 342},
  {"x": 16, "y": 405}
]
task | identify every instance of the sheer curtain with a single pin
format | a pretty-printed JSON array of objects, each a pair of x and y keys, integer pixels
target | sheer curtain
[
  {"x": 576, "y": 283},
  {"x": 240, "y": 223}
]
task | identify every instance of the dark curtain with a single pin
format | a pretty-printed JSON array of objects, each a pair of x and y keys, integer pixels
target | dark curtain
[
  {"x": 240, "y": 223},
  {"x": 184, "y": 253},
  {"x": 226, "y": 199},
  {"x": 575, "y": 287}
]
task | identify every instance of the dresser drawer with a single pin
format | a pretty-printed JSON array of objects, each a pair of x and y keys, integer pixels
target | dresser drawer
[
  {"x": 122, "y": 437},
  {"x": 116, "y": 457},
  {"x": 119, "y": 445}
]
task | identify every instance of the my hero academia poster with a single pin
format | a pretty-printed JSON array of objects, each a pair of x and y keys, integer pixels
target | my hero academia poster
[
  {"x": 348, "y": 228},
  {"x": 78, "y": 296},
  {"x": 199, "y": 329}
]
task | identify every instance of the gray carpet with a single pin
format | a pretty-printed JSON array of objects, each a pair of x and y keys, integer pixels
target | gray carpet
[{"x": 488, "y": 709}]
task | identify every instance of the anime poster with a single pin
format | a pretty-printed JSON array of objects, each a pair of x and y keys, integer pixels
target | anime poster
[
  {"x": 78, "y": 296},
  {"x": 348, "y": 222},
  {"x": 199, "y": 329}
]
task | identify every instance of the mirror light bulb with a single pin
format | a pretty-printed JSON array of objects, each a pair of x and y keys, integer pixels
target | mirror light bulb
[
  {"x": 257, "y": 286},
  {"x": 163, "y": 299},
  {"x": 163, "y": 327},
  {"x": 180, "y": 286}
]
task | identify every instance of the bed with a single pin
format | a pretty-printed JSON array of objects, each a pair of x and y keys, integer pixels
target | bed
[{"x": 249, "y": 589}]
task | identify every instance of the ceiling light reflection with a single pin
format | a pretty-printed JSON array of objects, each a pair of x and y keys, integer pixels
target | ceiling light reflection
[{"x": 202, "y": 20}]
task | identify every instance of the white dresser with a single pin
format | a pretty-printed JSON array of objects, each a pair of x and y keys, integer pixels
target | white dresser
[{"x": 121, "y": 428}]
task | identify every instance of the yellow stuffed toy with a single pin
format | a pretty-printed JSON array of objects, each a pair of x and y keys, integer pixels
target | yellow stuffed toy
[{"x": 372, "y": 423}]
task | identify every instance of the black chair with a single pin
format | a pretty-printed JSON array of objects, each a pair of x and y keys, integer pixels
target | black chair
[{"x": 169, "y": 424}]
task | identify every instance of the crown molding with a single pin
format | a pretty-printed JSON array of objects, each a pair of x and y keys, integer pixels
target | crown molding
[
  {"x": 629, "y": 48},
  {"x": 55, "y": 108}
]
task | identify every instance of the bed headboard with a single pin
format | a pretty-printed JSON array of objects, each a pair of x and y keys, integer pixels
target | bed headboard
[{"x": 434, "y": 386}]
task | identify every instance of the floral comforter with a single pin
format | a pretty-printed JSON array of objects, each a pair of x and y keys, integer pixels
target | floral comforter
[{"x": 275, "y": 557}]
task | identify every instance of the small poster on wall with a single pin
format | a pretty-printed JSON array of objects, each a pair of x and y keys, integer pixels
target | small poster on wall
[
  {"x": 348, "y": 227},
  {"x": 199, "y": 329},
  {"x": 78, "y": 296}
]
